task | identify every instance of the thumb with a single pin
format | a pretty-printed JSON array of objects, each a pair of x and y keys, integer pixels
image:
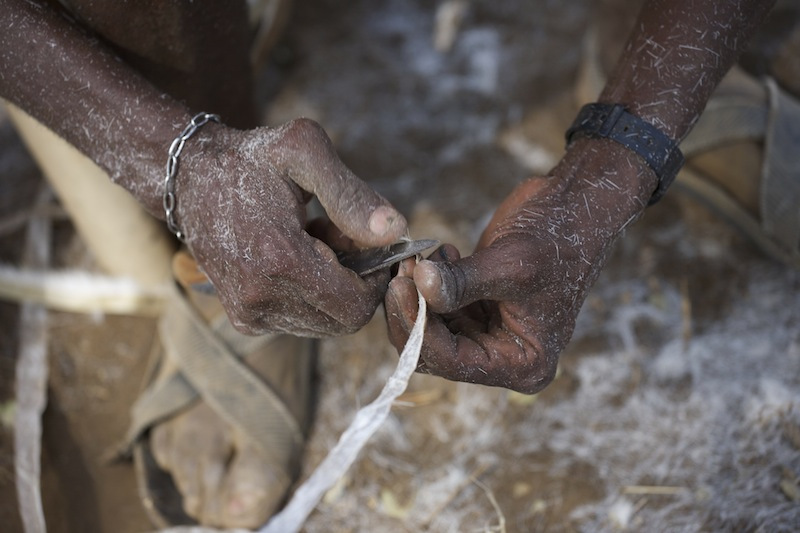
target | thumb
[
  {"x": 352, "y": 205},
  {"x": 494, "y": 273}
]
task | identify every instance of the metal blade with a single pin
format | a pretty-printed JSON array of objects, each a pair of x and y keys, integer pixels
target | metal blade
[{"x": 370, "y": 260}]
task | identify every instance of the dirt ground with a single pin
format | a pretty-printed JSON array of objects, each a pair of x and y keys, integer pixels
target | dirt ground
[{"x": 677, "y": 404}]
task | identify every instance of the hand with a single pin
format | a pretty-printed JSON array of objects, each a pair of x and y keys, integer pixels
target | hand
[
  {"x": 502, "y": 315},
  {"x": 241, "y": 202}
]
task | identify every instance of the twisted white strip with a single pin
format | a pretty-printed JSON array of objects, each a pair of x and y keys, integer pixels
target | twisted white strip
[{"x": 367, "y": 420}]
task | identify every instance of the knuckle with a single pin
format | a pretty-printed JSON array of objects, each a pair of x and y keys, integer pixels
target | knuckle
[
  {"x": 245, "y": 328},
  {"x": 443, "y": 284},
  {"x": 244, "y": 315},
  {"x": 533, "y": 381},
  {"x": 455, "y": 285},
  {"x": 249, "y": 303},
  {"x": 240, "y": 317},
  {"x": 538, "y": 371},
  {"x": 304, "y": 130},
  {"x": 357, "y": 318}
]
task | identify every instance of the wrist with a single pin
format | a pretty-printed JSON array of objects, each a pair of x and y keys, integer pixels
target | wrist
[
  {"x": 169, "y": 197},
  {"x": 648, "y": 142},
  {"x": 201, "y": 180},
  {"x": 606, "y": 172}
]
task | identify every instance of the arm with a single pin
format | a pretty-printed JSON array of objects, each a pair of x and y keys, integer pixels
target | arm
[
  {"x": 506, "y": 312},
  {"x": 69, "y": 81},
  {"x": 240, "y": 194},
  {"x": 677, "y": 55}
]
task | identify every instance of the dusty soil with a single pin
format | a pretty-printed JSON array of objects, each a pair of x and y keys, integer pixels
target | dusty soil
[{"x": 676, "y": 405}]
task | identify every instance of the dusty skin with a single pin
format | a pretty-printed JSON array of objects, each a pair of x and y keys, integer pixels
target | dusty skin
[{"x": 674, "y": 407}]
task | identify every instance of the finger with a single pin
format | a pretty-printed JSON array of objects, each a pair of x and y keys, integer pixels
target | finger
[
  {"x": 290, "y": 315},
  {"x": 402, "y": 306},
  {"x": 460, "y": 348},
  {"x": 290, "y": 312},
  {"x": 401, "y": 296},
  {"x": 445, "y": 252},
  {"x": 338, "y": 292},
  {"x": 498, "y": 273},
  {"x": 308, "y": 293},
  {"x": 326, "y": 231},
  {"x": 495, "y": 356},
  {"x": 405, "y": 268},
  {"x": 360, "y": 212}
]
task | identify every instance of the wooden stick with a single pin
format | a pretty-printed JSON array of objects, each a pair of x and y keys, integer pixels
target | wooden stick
[
  {"x": 31, "y": 385},
  {"x": 662, "y": 490}
]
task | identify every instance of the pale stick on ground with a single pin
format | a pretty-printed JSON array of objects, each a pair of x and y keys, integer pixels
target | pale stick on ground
[
  {"x": 81, "y": 292},
  {"x": 31, "y": 384}
]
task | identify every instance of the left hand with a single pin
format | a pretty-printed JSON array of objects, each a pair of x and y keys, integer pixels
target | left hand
[
  {"x": 502, "y": 315},
  {"x": 242, "y": 205}
]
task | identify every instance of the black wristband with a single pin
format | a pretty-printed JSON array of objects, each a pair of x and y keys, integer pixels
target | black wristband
[{"x": 612, "y": 121}]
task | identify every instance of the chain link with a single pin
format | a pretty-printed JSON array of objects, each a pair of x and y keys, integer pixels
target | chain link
[{"x": 175, "y": 149}]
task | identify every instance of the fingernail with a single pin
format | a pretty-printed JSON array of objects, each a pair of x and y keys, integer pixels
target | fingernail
[
  {"x": 429, "y": 279},
  {"x": 398, "y": 303},
  {"x": 442, "y": 253},
  {"x": 382, "y": 220},
  {"x": 406, "y": 268}
]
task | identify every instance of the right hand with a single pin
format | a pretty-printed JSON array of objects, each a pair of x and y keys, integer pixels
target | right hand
[
  {"x": 502, "y": 315},
  {"x": 241, "y": 203}
]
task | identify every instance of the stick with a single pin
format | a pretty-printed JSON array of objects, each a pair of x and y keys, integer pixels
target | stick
[
  {"x": 501, "y": 518},
  {"x": 80, "y": 292},
  {"x": 653, "y": 489},
  {"x": 31, "y": 384}
]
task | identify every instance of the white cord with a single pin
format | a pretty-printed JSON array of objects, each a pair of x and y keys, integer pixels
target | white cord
[{"x": 367, "y": 420}]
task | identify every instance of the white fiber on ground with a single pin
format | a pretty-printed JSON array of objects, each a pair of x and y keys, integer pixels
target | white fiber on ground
[{"x": 704, "y": 422}]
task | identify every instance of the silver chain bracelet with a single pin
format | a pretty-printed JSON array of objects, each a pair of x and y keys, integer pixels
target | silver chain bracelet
[{"x": 172, "y": 168}]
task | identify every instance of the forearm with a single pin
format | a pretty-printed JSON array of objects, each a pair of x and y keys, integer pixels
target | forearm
[
  {"x": 74, "y": 85},
  {"x": 676, "y": 55}
]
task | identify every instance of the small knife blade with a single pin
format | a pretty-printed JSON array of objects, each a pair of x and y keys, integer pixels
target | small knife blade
[{"x": 371, "y": 260}]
